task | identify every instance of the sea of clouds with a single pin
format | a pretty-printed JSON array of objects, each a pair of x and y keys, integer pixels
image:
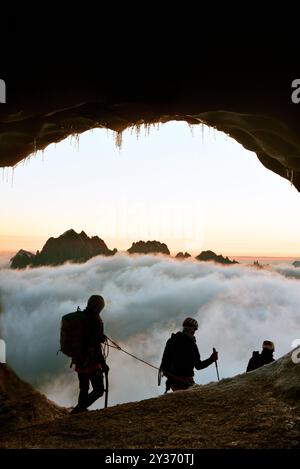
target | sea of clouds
[{"x": 147, "y": 298}]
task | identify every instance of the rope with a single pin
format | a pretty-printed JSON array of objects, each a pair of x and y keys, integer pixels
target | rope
[
  {"x": 130, "y": 354},
  {"x": 160, "y": 373}
]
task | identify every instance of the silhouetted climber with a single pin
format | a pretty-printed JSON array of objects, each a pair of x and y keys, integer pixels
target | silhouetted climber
[
  {"x": 90, "y": 365},
  {"x": 181, "y": 356},
  {"x": 259, "y": 359}
]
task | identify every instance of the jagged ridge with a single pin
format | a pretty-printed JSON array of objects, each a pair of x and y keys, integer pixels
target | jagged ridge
[
  {"x": 254, "y": 410},
  {"x": 70, "y": 246}
]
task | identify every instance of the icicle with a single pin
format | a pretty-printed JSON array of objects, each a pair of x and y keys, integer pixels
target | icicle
[
  {"x": 12, "y": 177},
  {"x": 74, "y": 139},
  {"x": 147, "y": 129},
  {"x": 137, "y": 129},
  {"x": 77, "y": 137},
  {"x": 202, "y": 132},
  {"x": 191, "y": 129},
  {"x": 118, "y": 140}
]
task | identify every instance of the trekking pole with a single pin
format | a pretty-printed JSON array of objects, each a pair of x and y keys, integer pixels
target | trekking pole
[
  {"x": 106, "y": 389},
  {"x": 214, "y": 350}
]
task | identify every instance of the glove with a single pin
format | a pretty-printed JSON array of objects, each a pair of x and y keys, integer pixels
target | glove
[{"x": 214, "y": 356}]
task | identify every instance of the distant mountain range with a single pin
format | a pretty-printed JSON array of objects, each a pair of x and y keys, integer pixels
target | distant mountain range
[
  {"x": 181, "y": 255},
  {"x": 78, "y": 247},
  {"x": 70, "y": 246},
  {"x": 149, "y": 247},
  {"x": 212, "y": 256},
  {"x": 22, "y": 259}
]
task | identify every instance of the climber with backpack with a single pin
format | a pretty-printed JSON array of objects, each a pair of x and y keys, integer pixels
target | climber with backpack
[
  {"x": 264, "y": 358},
  {"x": 82, "y": 334},
  {"x": 181, "y": 356}
]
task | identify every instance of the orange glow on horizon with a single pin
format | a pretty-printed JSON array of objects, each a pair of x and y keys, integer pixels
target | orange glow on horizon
[
  {"x": 191, "y": 193},
  {"x": 15, "y": 243}
]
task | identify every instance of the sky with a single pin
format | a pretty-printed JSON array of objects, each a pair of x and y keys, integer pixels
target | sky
[
  {"x": 147, "y": 298},
  {"x": 191, "y": 187}
]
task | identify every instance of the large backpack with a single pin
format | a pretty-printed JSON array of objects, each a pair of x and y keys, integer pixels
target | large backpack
[
  {"x": 168, "y": 363},
  {"x": 169, "y": 367},
  {"x": 73, "y": 333}
]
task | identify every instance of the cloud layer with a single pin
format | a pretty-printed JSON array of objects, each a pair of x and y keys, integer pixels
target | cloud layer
[{"x": 147, "y": 298}]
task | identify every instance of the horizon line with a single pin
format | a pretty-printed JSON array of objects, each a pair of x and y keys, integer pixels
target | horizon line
[{"x": 173, "y": 254}]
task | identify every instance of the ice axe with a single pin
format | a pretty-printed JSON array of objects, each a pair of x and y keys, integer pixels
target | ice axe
[{"x": 214, "y": 350}]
